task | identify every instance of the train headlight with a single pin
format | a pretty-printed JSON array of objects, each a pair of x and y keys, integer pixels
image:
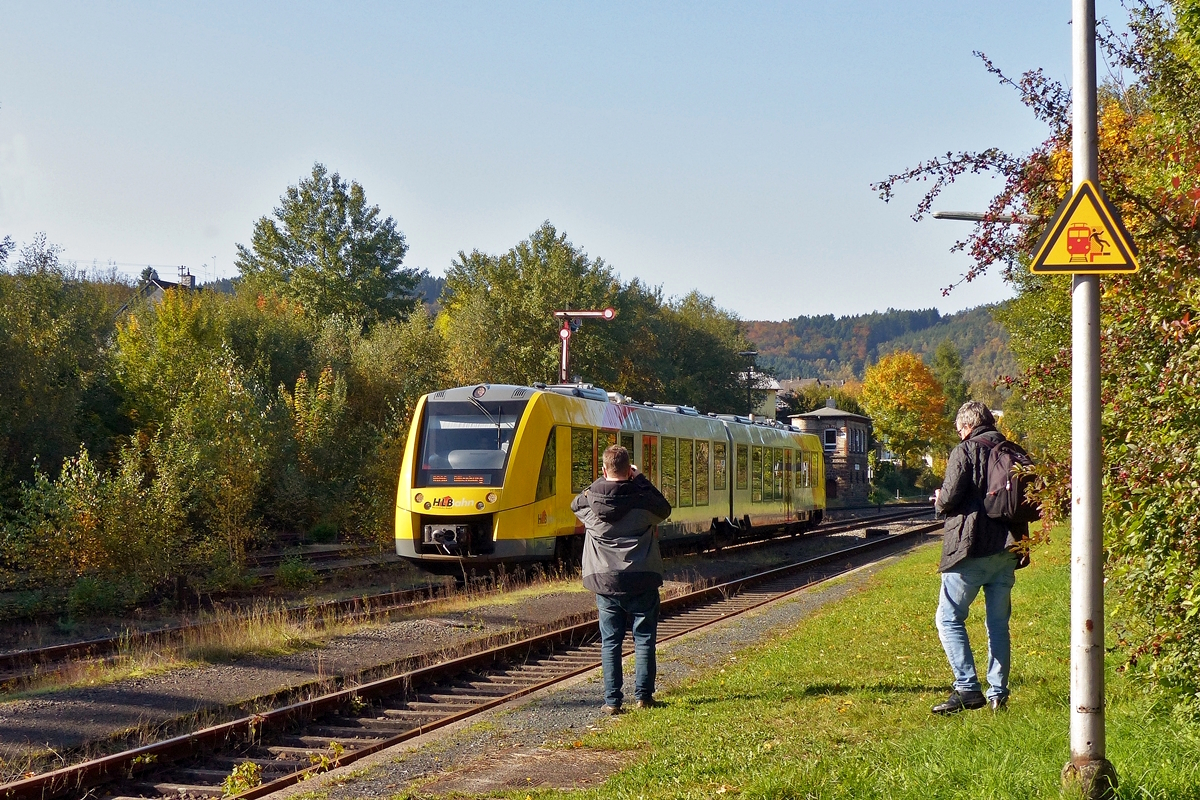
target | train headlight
[
  {"x": 428, "y": 506},
  {"x": 479, "y": 392},
  {"x": 419, "y": 497},
  {"x": 479, "y": 506},
  {"x": 491, "y": 497}
]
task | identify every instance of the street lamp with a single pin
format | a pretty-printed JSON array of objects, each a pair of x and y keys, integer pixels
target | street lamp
[{"x": 752, "y": 355}]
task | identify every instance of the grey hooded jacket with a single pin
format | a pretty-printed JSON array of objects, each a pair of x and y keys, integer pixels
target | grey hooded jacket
[
  {"x": 969, "y": 532},
  {"x": 620, "y": 549}
]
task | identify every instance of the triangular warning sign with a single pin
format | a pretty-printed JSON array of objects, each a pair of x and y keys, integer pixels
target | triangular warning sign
[{"x": 1085, "y": 236}]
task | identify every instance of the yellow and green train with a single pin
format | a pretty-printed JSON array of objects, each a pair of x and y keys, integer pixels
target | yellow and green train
[{"x": 490, "y": 471}]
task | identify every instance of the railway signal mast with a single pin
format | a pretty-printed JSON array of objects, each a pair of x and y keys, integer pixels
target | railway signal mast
[{"x": 572, "y": 321}]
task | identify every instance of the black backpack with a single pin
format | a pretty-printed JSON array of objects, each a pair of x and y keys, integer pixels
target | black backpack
[{"x": 1006, "y": 480}]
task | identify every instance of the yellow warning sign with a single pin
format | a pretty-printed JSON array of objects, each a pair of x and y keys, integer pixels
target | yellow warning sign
[{"x": 1085, "y": 236}]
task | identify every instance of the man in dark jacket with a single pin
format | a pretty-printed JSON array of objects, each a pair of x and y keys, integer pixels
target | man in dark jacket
[
  {"x": 978, "y": 552},
  {"x": 623, "y": 566}
]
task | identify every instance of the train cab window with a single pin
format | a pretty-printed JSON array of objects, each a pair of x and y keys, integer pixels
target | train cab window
[
  {"x": 546, "y": 475},
  {"x": 702, "y": 471},
  {"x": 649, "y": 465},
  {"x": 583, "y": 459},
  {"x": 756, "y": 469},
  {"x": 627, "y": 443},
  {"x": 687, "y": 472},
  {"x": 669, "y": 471},
  {"x": 743, "y": 468},
  {"x": 604, "y": 440},
  {"x": 719, "y": 466},
  {"x": 467, "y": 444}
]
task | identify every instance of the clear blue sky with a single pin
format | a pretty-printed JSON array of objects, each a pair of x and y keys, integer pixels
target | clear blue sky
[{"x": 725, "y": 147}]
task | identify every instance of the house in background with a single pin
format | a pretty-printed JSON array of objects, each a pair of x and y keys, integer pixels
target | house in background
[
  {"x": 764, "y": 389},
  {"x": 845, "y": 437},
  {"x": 153, "y": 287}
]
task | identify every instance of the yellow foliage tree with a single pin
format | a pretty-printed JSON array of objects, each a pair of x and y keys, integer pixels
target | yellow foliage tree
[{"x": 905, "y": 402}]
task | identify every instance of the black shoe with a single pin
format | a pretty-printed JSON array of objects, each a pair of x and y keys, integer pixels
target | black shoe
[
  {"x": 999, "y": 703},
  {"x": 960, "y": 700}
]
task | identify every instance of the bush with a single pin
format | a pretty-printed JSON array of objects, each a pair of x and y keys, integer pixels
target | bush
[
  {"x": 97, "y": 597},
  {"x": 295, "y": 574},
  {"x": 323, "y": 533}
]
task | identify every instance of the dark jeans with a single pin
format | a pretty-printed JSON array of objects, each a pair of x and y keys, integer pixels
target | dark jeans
[{"x": 614, "y": 610}]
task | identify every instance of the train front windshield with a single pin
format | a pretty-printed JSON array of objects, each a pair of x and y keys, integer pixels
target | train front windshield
[{"x": 467, "y": 443}]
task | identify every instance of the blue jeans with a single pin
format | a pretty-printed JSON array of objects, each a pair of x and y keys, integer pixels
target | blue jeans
[
  {"x": 614, "y": 609},
  {"x": 995, "y": 574}
]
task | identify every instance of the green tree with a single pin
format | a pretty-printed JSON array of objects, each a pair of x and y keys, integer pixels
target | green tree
[
  {"x": 498, "y": 311},
  {"x": 948, "y": 369},
  {"x": 54, "y": 386},
  {"x": 331, "y": 252}
]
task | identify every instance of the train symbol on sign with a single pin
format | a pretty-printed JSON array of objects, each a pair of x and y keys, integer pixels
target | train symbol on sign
[{"x": 1084, "y": 242}]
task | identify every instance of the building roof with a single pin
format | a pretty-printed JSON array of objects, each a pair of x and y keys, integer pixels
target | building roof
[{"x": 830, "y": 413}]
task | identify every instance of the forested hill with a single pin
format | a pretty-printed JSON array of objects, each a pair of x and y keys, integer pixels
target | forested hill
[{"x": 840, "y": 347}]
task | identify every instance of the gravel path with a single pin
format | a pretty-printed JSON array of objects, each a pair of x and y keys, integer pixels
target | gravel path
[
  {"x": 63, "y": 721},
  {"x": 529, "y": 742}
]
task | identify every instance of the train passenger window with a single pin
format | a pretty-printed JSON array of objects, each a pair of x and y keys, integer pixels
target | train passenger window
[
  {"x": 545, "y": 484},
  {"x": 756, "y": 470},
  {"x": 669, "y": 474},
  {"x": 779, "y": 473},
  {"x": 719, "y": 466},
  {"x": 767, "y": 461},
  {"x": 804, "y": 474},
  {"x": 787, "y": 476},
  {"x": 649, "y": 465},
  {"x": 604, "y": 440},
  {"x": 743, "y": 469},
  {"x": 583, "y": 459},
  {"x": 686, "y": 471},
  {"x": 702, "y": 473},
  {"x": 627, "y": 443}
]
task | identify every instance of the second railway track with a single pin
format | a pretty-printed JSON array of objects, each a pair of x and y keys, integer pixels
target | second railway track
[
  {"x": 284, "y": 745},
  {"x": 19, "y": 667}
]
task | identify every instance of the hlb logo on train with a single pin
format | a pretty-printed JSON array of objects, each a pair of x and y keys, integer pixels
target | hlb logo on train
[{"x": 445, "y": 502}]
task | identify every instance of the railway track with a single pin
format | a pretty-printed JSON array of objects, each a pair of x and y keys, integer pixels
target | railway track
[
  {"x": 278, "y": 748},
  {"x": 17, "y": 668}
]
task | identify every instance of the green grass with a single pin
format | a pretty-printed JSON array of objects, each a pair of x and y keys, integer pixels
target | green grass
[{"x": 838, "y": 707}]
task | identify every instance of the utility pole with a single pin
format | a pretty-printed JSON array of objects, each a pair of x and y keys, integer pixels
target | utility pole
[{"x": 1088, "y": 769}]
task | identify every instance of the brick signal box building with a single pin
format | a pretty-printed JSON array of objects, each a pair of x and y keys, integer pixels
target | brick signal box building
[{"x": 846, "y": 437}]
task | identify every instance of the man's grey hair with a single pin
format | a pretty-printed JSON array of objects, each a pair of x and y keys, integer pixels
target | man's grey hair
[{"x": 972, "y": 414}]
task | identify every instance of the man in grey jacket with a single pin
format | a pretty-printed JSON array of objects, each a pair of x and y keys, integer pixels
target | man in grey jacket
[
  {"x": 978, "y": 552},
  {"x": 623, "y": 566}
]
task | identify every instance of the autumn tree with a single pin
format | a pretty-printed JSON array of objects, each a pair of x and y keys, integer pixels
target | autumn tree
[
  {"x": 905, "y": 403},
  {"x": 330, "y": 251}
]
